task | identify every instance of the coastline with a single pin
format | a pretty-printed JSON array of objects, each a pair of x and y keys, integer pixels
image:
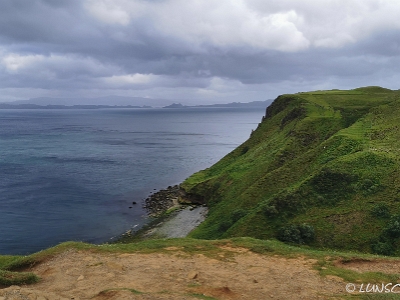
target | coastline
[
  {"x": 169, "y": 218},
  {"x": 160, "y": 202},
  {"x": 177, "y": 224}
]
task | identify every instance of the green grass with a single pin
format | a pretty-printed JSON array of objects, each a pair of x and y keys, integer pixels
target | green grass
[
  {"x": 321, "y": 158},
  {"x": 353, "y": 276},
  {"x": 133, "y": 291},
  {"x": 200, "y": 296},
  {"x": 378, "y": 297},
  {"x": 8, "y": 278}
]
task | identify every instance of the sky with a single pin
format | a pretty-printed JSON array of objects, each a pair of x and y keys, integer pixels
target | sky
[{"x": 196, "y": 51}]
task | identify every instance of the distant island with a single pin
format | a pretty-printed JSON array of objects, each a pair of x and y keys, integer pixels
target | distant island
[
  {"x": 253, "y": 104},
  {"x": 39, "y": 103}
]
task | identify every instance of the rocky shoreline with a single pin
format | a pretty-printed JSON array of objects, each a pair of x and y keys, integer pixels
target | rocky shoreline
[
  {"x": 169, "y": 217},
  {"x": 158, "y": 203}
]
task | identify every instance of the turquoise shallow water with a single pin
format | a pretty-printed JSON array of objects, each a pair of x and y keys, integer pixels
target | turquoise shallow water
[{"x": 72, "y": 174}]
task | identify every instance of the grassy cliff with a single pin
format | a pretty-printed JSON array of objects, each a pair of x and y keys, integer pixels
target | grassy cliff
[{"x": 322, "y": 168}]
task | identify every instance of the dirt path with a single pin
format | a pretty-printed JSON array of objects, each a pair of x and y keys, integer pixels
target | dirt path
[{"x": 176, "y": 275}]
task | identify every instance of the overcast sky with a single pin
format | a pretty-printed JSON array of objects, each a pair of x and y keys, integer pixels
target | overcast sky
[{"x": 196, "y": 51}]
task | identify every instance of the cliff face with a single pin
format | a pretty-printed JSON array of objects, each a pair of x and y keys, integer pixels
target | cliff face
[{"x": 321, "y": 168}]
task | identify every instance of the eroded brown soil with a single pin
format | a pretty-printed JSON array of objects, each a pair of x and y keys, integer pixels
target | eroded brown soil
[
  {"x": 376, "y": 265},
  {"x": 239, "y": 274}
]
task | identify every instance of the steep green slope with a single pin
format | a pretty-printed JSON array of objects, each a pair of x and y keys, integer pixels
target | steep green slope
[{"x": 321, "y": 168}]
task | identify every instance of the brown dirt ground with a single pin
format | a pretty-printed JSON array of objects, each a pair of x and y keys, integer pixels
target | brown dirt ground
[
  {"x": 175, "y": 275},
  {"x": 376, "y": 265}
]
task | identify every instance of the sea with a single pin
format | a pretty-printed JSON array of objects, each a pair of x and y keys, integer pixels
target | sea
[{"x": 73, "y": 174}]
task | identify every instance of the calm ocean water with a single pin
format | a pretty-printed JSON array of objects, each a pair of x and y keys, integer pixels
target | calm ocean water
[{"x": 72, "y": 174}]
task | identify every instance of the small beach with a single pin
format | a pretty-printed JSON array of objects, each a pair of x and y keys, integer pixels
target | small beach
[
  {"x": 171, "y": 219},
  {"x": 179, "y": 223}
]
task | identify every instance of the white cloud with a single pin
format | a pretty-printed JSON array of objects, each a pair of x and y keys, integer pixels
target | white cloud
[
  {"x": 202, "y": 23},
  {"x": 335, "y": 41},
  {"x": 54, "y": 64},
  {"x": 15, "y": 62},
  {"x": 130, "y": 79},
  {"x": 336, "y": 23},
  {"x": 148, "y": 81},
  {"x": 230, "y": 24},
  {"x": 109, "y": 11},
  {"x": 291, "y": 25}
]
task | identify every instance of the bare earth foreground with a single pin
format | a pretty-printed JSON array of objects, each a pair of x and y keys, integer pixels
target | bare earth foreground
[
  {"x": 227, "y": 272},
  {"x": 236, "y": 274}
]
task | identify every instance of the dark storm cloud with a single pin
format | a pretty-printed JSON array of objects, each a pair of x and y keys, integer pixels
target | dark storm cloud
[
  {"x": 195, "y": 49},
  {"x": 38, "y": 21}
]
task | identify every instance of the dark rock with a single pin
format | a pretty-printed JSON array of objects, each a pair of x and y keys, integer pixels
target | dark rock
[
  {"x": 162, "y": 200},
  {"x": 191, "y": 198}
]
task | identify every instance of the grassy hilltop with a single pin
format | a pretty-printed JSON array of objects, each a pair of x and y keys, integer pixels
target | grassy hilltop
[{"x": 322, "y": 168}]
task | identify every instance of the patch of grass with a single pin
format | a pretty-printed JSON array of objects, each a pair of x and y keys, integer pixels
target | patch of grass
[
  {"x": 8, "y": 278},
  {"x": 378, "y": 297},
  {"x": 133, "y": 291},
  {"x": 353, "y": 276},
  {"x": 7, "y": 259},
  {"x": 194, "y": 284},
  {"x": 21, "y": 263},
  {"x": 201, "y": 296}
]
